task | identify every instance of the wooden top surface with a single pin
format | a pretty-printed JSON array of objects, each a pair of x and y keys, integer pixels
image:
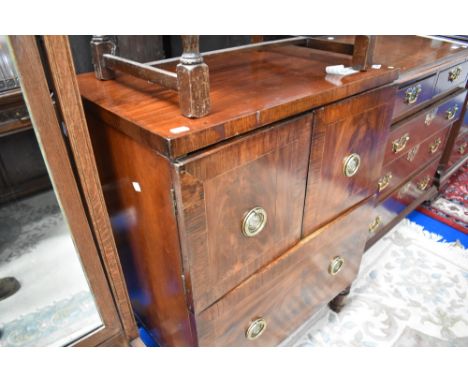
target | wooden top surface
[
  {"x": 252, "y": 89},
  {"x": 248, "y": 90},
  {"x": 414, "y": 56}
]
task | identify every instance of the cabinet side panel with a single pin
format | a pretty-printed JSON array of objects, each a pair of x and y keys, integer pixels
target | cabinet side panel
[{"x": 137, "y": 189}]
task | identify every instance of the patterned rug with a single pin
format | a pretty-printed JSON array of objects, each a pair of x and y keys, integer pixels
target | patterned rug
[
  {"x": 451, "y": 206},
  {"x": 54, "y": 305},
  {"x": 412, "y": 290},
  {"x": 56, "y": 324},
  {"x": 27, "y": 223}
]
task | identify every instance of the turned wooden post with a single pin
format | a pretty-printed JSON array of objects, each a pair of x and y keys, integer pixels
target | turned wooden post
[
  {"x": 193, "y": 80},
  {"x": 363, "y": 52},
  {"x": 101, "y": 44}
]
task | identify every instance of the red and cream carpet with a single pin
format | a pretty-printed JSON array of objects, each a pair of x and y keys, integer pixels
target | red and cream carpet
[
  {"x": 412, "y": 290},
  {"x": 451, "y": 206}
]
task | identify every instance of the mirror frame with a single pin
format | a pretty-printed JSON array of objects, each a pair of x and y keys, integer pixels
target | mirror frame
[{"x": 73, "y": 172}]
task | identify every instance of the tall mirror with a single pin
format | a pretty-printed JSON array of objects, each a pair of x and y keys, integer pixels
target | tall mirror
[{"x": 45, "y": 298}]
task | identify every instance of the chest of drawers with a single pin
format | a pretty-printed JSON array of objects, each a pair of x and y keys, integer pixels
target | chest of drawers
[
  {"x": 456, "y": 152},
  {"x": 234, "y": 228},
  {"x": 426, "y": 119}
]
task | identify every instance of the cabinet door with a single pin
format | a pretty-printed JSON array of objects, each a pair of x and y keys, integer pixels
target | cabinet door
[
  {"x": 240, "y": 205},
  {"x": 348, "y": 142}
]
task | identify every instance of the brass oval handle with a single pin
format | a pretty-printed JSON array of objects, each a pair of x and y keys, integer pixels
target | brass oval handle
[
  {"x": 336, "y": 264},
  {"x": 403, "y": 190},
  {"x": 454, "y": 74},
  {"x": 462, "y": 148},
  {"x": 256, "y": 329},
  {"x": 375, "y": 224},
  {"x": 430, "y": 116},
  {"x": 422, "y": 184},
  {"x": 433, "y": 147},
  {"x": 385, "y": 181},
  {"x": 254, "y": 222},
  {"x": 351, "y": 165},
  {"x": 400, "y": 143},
  {"x": 412, "y": 94},
  {"x": 451, "y": 113},
  {"x": 412, "y": 153}
]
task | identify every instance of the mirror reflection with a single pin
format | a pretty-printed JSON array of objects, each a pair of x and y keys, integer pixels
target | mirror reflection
[{"x": 45, "y": 299}]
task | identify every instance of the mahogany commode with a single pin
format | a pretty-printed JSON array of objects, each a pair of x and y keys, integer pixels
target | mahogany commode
[
  {"x": 428, "y": 111},
  {"x": 236, "y": 227}
]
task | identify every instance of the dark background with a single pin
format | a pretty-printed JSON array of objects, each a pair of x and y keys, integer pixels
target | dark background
[{"x": 150, "y": 48}]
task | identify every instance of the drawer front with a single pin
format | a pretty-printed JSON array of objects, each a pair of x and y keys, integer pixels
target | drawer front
[
  {"x": 410, "y": 96},
  {"x": 451, "y": 78},
  {"x": 287, "y": 291},
  {"x": 388, "y": 209},
  {"x": 414, "y": 130},
  {"x": 416, "y": 158},
  {"x": 350, "y": 135},
  {"x": 240, "y": 205},
  {"x": 460, "y": 149}
]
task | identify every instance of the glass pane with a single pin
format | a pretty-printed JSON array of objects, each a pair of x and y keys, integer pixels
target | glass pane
[{"x": 45, "y": 298}]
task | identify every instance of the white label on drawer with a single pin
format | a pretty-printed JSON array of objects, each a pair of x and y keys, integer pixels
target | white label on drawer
[
  {"x": 178, "y": 130},
  {"x": 136, "y": 186}
]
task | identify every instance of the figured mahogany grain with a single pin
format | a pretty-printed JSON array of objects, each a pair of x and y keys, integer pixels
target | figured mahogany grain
[
  {"x": 248, "y": 90},
  {"x": 290, "y": 289},
  {"x": 455, "y": 151},
  {"x": 428, "y": 195},
  {"x": 393, "y": 205},
  {"x": 403, "y": 168},
  {"x": 357, "y": 125},
  {"x": 217, "y": 188},
  {"x": 423, "y": 124},
  {"x": 207, "y": 291},
  {"x": 446, "y": 83},
  {"x": 415, "y": 56},
  {"x": 402, "y": 106},
  {"x": 460, "y": 148},
  {"x": 137, "y": 183}
]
